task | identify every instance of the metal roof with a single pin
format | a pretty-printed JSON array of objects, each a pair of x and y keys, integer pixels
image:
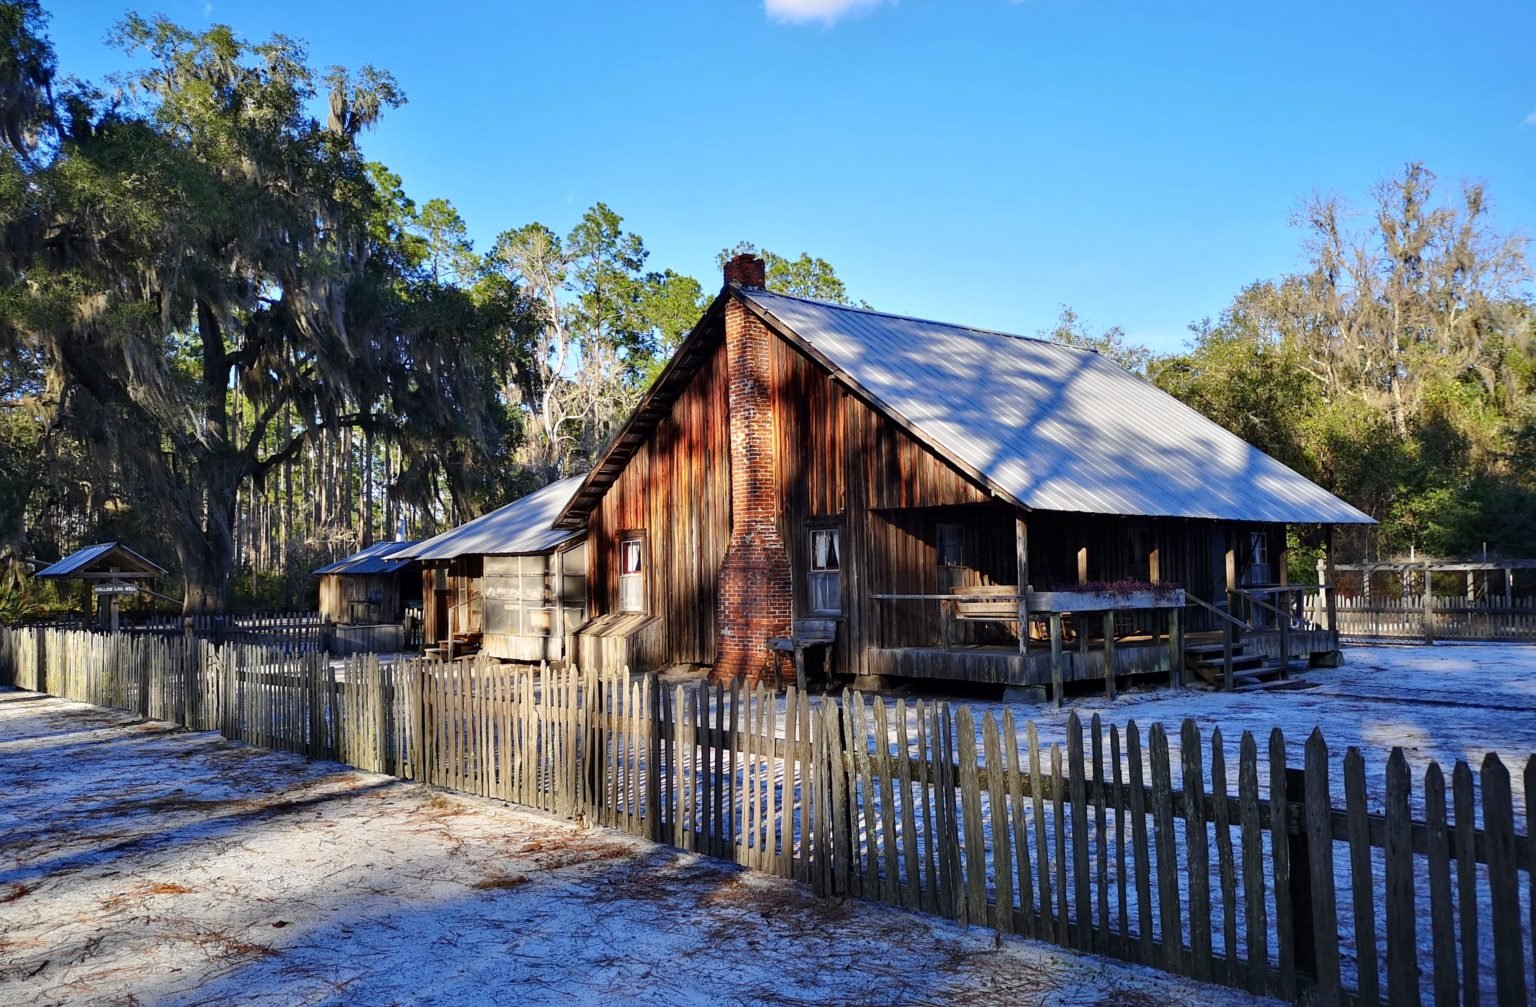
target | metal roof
[
  {"x": 81, "y": 562},
  {"x": 524, "y": 526},
  {"x": 1051, "y": 427},
  {"x": 379, "y": 558}
]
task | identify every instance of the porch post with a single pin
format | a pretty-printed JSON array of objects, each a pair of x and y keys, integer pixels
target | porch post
[
  {"x": 1428, "y": 599},
  {"x": 1330, "y": 585},
  {"x": 1109, "y": 655},
  {"x": 1058, "y": 673},
  {"x": 1021, "y": 545},
  {"x": 1231, "y": 573},
  {"x": 1284, "y": 598}
]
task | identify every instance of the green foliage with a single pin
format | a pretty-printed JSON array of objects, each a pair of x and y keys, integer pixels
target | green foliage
[
  {"x": 1111, "y": 343},
  {"x": 804, "y": 276},
  {"x": 240, "y": 285},
  {"x": 1396, "y": 370}
]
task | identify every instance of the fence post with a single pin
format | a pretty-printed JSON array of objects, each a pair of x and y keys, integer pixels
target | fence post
[
  {"x": 1428, "y": 599},
  {"x": 1300, "y": 883}
]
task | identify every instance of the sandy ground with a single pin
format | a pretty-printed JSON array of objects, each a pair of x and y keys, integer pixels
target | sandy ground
[{"x": 141, "y": 864}]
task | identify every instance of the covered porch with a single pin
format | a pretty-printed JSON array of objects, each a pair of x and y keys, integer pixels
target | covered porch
[{"x": 1105, "y": 599}]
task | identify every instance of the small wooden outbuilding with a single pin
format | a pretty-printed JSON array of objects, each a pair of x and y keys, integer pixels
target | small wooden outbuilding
[
  {"x": 373, "y": 587},
  {"x": 508, "y": 584}
]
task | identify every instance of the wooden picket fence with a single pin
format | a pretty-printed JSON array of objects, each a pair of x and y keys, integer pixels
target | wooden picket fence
[
  {"x": 1435, "y": 618},
  {"x": 1111, "y": 840}
]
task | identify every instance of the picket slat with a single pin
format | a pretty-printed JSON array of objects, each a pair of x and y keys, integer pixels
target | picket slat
[
  {"x": 1503, "y": 883},
  {"x": 1402, "y": 958},
  {"x": 1442, "y": 923},
  {"x": 1363, "y": 889},
  {"x": 1256, "y": 932}
]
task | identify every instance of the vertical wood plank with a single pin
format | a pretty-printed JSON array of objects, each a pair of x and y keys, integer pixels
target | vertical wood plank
[
  {"x": 1065, "y": 933},
  {"x": 1002, "y": 855},
  {"x": 1256, "y": 932},
  {"x": 948, "y": 802},
  {"x": 1042, "y": 847},
  {"x": 1141, "y": 847},
  {"x": 913, "y": 892},
  {"x": 1191, "y": 750},
  {"x": 974, "y": 827},
  {"x": 1081, "y": 880},
  {"x": 1442, "y": 921},
  {"x": 1167, "y": 861},
  {"x": 1100, "y": 839},
  {"x": 930, "y": 827},
  {"x": 1402, "y": 920},
  {"x": 1280, "y": 853},
  {"x": 1225, "y": 863},
  {"x": 890, "y": 887},
  {"x": 1466, "y": 880},
  {"x": 1122, "y": 946},
  {"x": 1319, "y": 822},
  {"x": 1503, "y": 883},
  {"x": 1530, "y": 854},
  {"x": 1021, "y": 857},
  {"x": 1362, "y": 880}
]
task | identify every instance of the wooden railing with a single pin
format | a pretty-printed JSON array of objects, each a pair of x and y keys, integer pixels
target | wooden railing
[
  {"x": 1281, "y": 879},
  {"x": 1430, "y": 618}
]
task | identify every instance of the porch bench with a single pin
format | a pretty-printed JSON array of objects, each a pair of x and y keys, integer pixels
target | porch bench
[
  {"x": 986, "y": 603},
  {"x": 804, "y": 634},
  {"x": 982, "y": 603}
]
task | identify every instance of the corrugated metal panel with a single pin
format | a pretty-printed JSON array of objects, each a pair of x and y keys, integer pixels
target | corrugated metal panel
[
  {"x": 525, "y": 525},
  {"x": 381, "y": 557},
  {"x": 1054, "y": 427},
  {"x": 82, "y": 559}
]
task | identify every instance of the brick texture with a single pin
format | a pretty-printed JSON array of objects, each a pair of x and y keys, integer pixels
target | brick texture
[{"x": 755, "y": 590}]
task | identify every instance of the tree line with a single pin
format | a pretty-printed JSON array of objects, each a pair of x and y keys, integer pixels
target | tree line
[{"x": 229, "y": 338}]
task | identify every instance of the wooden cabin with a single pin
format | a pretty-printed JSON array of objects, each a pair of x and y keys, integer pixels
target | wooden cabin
[
  {"x": 955, "y": 503},
  {"x": 373, "y": 587},
  {"x": 508, "y": 584}
]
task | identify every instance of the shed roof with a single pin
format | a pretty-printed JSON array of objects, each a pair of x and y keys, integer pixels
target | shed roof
[
  {"x": 1043, "y": 425},
  {"x": 524, "y": 526},
  {"x": 105, "y": 559},
  {"x": 379, "y": 558}
]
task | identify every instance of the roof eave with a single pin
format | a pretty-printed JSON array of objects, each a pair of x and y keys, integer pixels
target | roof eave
[{"x": 661, "y": 394}]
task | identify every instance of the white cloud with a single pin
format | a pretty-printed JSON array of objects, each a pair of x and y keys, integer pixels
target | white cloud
[
  {"x": 825, "y": 11},
  {"x": 1530, "y": 120}
]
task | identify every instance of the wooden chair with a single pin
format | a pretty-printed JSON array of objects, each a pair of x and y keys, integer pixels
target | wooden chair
[{"x": 804, "y": 634}]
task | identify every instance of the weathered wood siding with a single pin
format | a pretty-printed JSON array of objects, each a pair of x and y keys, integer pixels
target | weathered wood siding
[
  {"x": 460, "y": 592},
  {"x": 841, "y": 461},
  {"x": 675, "y": 489}
]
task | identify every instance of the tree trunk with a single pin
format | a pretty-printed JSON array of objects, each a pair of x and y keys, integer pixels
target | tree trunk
[{"x": 208, "y": 556}]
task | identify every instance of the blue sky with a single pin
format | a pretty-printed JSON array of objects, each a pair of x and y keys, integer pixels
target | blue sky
[{"x": 979, "y": 161}]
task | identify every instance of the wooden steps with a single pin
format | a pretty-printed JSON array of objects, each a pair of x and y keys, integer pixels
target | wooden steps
[{"x": 1250, "y": 671}]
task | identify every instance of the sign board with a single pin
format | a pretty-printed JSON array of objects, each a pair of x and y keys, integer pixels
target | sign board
[{"x": 115, "y": 587}]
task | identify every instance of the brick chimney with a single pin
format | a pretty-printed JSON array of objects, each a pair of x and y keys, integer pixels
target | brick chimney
[
  {"x": 755, "y": 592},
  {"x": 746, "y": 270}
]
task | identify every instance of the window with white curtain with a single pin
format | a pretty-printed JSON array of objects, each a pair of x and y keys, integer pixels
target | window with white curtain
[
  {"x": 826, "y": 574},
  {"x": 632, "y": 575}
]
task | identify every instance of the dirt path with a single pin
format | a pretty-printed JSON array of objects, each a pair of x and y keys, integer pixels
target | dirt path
[{"x": 142, "y": 865}]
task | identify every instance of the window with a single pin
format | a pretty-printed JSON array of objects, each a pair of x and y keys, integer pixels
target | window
[
  {"x": 951, "y": 545},
  {"x": 1260, "y": 550},
  {"x": 826, "y": 576},
  {"x": 632, "y": 574}
]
